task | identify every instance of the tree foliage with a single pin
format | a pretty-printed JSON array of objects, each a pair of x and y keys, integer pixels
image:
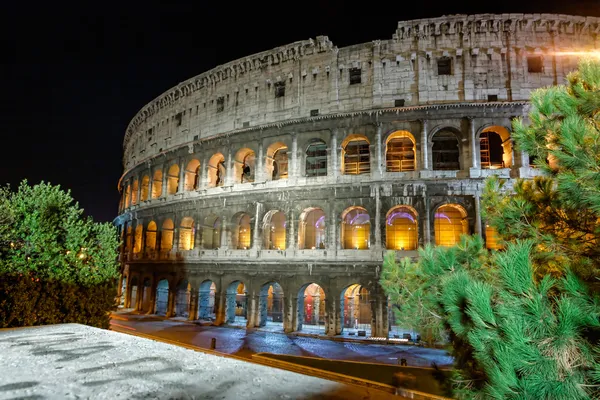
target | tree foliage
[{"x": 526, "y": 322}]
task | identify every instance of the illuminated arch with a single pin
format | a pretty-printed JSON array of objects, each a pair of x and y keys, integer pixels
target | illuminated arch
[
  {"x": 137, "y": 242},
  {"x": 216, "y": 170},
  {"x": 157, "y": 184},
  {"x": 400, "y": 152},
  {"x": 277, "y": 161},
  {"x": 241, "y": 235},
  {"x": 186, "y": 234},
  {"x": 316, "y": 158},
  {"x": 450, "y": 223},
  {"x": 495, "y": 148},
  {"x": 244, "y": 166},
  {"x": 151, "y": 236},
  {"x": 492, "y": 239},
  {"x": 192, "y": 176},
  {"x": 145, "y": 188},
  {"x": 356, "y": 308},
  {"x": 356, "y": 229},
  {"x": 166, "y": 235},
  {"x": 356, "y": 158},
  {"x": 445, "y": 150},
  {"x": 211, "y": 232},
  {"x": 274, "y": 230},
  {"x": 401, "y": 228},
  {"x": 173, "y": 179},
  {"x": 127, "y": 196},
  {"x": 312, "y": 233},
  {"x": 134, "y": 192}
]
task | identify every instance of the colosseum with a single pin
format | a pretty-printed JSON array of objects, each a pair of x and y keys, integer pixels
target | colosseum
[{"x": 266, "y": 191}]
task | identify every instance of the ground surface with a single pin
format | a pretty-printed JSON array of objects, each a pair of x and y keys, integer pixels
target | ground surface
[
  {"x": 241, "y": 343},
  {"x": 75, "y": 361}
]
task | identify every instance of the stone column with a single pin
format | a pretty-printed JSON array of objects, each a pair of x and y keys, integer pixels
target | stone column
[
  {"x": 424, "y": 146},
  {"x": 477, "y": 215},
  {"x": 474, "y": 156},
  {"x": 252, "y": 311},
  {"x": 335, "y": 237},
  {"x": 379, "y": 150},
  {"x": 335, "y": 168},
  {"x": 165, "y": 180},
  {"x": 229, "y": 173},
  {"x": 290, "y": 239},
  {"x": 288, "y": 313},
  {"x": 203, "y": 176},
  {"x": 377, "y": 218},
  {"x": 225, "y": 225},
  {"x": 335, "y": 313},
  {"x": 193, "y": 311},
  {"x": 153, "y": 296},
  {"x": 198, "y": 235},
  {"x": 259, "y": 166},
  {"x": 221, "y": 308},
  {"x": 138, "y": 195},
  {"x": 181, "y": 182},
  {"x": 294, "y": 172},
  {"x": 171, "y": 302},
  {"x": 256, "y": 240},
  {"x": 427, "y": 221},
  {"x": 130, "y": 195}
]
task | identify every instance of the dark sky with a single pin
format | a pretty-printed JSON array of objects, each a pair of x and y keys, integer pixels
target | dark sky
[{"x": 71, "y": 77}]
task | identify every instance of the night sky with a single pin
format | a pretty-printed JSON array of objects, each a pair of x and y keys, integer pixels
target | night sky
[{"x": 72, "y": 77}]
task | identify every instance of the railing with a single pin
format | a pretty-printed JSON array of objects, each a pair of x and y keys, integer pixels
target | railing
[
  {"x": 357, "y": 168},
  {"x": 400, "y": 165}
]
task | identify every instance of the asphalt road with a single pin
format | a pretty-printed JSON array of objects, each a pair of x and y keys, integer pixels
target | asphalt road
[{"x": 238, "y": 342}]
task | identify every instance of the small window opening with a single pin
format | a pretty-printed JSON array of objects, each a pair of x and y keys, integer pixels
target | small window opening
[
  {"x": 220, "y": 104},
  {"x": 444, "y": 66},
  {"x": 178, "y": 118},
  {"x": 534, "y": 64},
  {"x": 355, "y": 76},
  {"x": 279, "y": 89}
]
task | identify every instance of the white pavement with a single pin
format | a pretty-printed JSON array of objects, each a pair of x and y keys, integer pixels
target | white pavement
[{"x": 72, "y": 361}]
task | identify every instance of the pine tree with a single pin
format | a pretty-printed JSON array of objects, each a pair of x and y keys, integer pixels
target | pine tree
[{"x": 529, "y": 327}]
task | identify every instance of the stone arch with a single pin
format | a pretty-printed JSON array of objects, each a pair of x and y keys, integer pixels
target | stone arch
[
  {"x": 161, "y": 303},
  {"x": 356, "y": 309},
  {"x": 400, "y": 152},
  {"x": 127, "y": 195},
  {"x": 446, "y": 149},
  {"x": 151, "y": 231},
  {"x": 311, "y": 312},
  {"x": 244, "y": 165},
  {"x": 312, "y": 232},
  {"x": 495, "y": 147},
  {"x": 173, "y": 179},
  {"x": 192, "y": 176},
  {"x": 167, "y": 231},
  {"x": 206, "y": 300},
  {"x": 236, "y": 303},
  {"x": 137, "y": 242},
  {"x": 134, "y": 192},
  {"x": 277, "y": 161},
  {"x": 187, "y": 233},
  {"x": 356, "y": 155},
  {"x": 356, "y": 229},
  {"x": 450, "y": 222},
  {"x": 401, "y": 228},
  {"x": 274, "y": 230},
  {"x": 241, "y": 234},
  {"x": 211, "y": 232},
  {"x": 270, "y": 305},
  {"x": 157, "y": 184},
  {"x": 182, "y": 299},
  {"x": 316, "y": 158},
  {"x": 216, "y": 170},
  {"x": 145, "y": 188}
]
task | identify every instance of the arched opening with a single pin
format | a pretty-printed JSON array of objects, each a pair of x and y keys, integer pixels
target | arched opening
[
  {"x": 182, "y": 299},
  {"x": 312, "y": 233},
  {"x": 151, "y": 236},
  {"x": 245, "y": 162},
  {"x": 134, "y": 192},
  {"x": 450, "y": 223},
  {"x": 492, "y": 239},
  {"x": 401, "y": 228},
  {"x": 157, "y": 184},
  {"x": 271, "y": 306},
  {"x": 274, "y": 230},
  {"x": 146, "y": 295},
  {"x": 129, "y": 239},
  {"x": 236, "y": 304},
  {"x": 162, "y": 297},
  {"x": 211, "y": 232},
  {"x": 133, "y": 296},
  {"x": 206, "y": 301},
  {"x": 400, "y": 152},
  {"x": 495, "y": 148},
  {"x": 166, "y": 237},
  {"x": 445, "y": 151},
  {"x": 311, "y": 311},
  {"x": 145, "y": 188},
  {"x": 137, "y": 243},
  {"x": 356, "y": 229},
  {"x": 216, "y": 170},
  {"x": 241, "y": 235},
  {"x": 277, "y": 161},
  {"x": 316, "y": 158},
  {"x": 127, "y": 196},
  {"x": 192, "y": 176},
  {"x": 173, "y": 179},
  {"x": 356, "y": 315},
  {"x": 186, "y": 234},
  {"x": 356, "y": 157}
]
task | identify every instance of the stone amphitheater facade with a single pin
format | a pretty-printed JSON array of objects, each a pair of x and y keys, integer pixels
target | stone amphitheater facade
[{"x": 269, "y": 189}]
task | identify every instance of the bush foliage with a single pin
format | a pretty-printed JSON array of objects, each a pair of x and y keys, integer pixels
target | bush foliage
[{"x": 55, "y": 264}]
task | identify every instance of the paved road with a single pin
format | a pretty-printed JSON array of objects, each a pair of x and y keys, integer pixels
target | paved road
[{"x": 238, "y": 342}]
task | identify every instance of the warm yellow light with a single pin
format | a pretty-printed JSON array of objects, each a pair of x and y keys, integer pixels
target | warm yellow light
[
  {"x": 593, "y": 53},
  {"x": 82, "y": 256}
]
